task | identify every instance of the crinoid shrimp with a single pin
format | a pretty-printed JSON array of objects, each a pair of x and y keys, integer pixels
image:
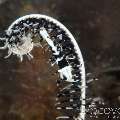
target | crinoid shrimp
[{"x": 19, "y": 40}]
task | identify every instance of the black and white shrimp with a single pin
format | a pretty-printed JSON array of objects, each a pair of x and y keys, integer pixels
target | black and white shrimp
[{"x": 65, "y": 53}]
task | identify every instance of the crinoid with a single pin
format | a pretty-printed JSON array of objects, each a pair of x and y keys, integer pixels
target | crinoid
[{"x": 19, "y": 40}]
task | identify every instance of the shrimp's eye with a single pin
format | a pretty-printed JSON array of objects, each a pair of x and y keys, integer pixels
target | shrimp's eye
[{"x": 57, "y": 69}]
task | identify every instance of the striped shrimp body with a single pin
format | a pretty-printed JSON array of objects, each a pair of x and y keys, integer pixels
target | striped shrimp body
[{"x": 65, "y": 53}]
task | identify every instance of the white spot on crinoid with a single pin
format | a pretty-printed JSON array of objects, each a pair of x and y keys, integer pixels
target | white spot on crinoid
[
  {"x": 23, "y": 48},
  {"x": 46, "y": 36},
  {"x": 66, "y": 72}
]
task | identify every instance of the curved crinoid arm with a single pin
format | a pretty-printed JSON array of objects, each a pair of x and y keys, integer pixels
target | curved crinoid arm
[{"x": 65, "y": 53}]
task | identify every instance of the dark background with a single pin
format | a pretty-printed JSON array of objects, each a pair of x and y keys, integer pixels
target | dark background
[{"x": 96, "y": 26}]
